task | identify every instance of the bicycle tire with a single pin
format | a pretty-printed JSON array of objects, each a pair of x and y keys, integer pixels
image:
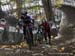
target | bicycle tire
[{"x": 28, "y": 37}]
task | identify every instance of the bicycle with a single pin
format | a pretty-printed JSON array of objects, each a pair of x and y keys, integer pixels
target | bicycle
[{"x": 29, "y": 38}]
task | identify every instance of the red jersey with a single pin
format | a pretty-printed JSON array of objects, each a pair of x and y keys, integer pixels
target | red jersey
[{"x": 46, "y": 26}]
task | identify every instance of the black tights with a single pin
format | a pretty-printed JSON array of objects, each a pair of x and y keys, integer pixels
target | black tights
[
  {"x": 29, "y": 39},
  {"x": 49, "y": 37}
]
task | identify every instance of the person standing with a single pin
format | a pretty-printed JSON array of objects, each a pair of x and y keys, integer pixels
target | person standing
[
  {"x": 27, "y": 24},
  {"x": 47, "y": 32}
]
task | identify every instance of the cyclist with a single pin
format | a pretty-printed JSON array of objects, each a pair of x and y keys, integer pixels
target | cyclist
[
  {"x": 26, "y": 21},
  {"x": 46, "y": 30}
]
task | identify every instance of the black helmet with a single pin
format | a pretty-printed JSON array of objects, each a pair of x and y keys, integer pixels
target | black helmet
[{"x": 24, "y": 13}]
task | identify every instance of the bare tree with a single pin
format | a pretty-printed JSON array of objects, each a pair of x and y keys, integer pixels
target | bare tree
[{"x": 48, "y": 9}]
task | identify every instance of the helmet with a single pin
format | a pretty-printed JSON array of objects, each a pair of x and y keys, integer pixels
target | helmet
[{"x": 24, "y": 13}]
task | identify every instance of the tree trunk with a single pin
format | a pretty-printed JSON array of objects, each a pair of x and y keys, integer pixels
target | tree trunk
[
  {"x": 48, "y": 9},
  {"x": 19, "y": 7}
]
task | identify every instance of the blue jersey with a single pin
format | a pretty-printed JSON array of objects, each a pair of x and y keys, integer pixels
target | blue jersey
[{"x": 26, "y": 21}]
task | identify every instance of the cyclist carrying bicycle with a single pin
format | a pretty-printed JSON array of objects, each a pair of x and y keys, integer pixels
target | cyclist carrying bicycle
[{"x": 27, "y": 22}]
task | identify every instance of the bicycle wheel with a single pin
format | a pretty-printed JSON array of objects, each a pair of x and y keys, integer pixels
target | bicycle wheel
[{"x": 28, "y": 37}]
